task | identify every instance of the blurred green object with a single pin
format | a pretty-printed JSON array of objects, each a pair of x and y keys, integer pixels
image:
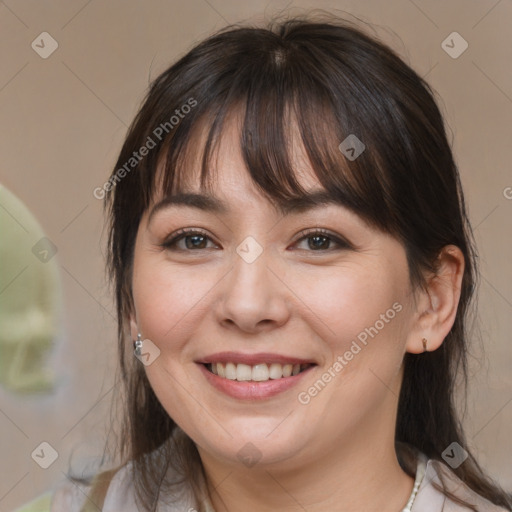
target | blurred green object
[
  {"x": 29, "y": 298},
  {"x": 40, "y": 504}
]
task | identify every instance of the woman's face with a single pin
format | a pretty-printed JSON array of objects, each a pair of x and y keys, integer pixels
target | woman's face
[{"x": 261, "y": 292}]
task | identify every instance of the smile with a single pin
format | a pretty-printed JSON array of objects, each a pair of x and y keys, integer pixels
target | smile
[
  {"x": 254, "y": 382},
  {"x": 257, "y": 376},
  {"x": 257, "y": 373}
]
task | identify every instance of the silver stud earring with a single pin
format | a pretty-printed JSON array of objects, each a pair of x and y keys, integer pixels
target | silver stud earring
[{"x": 137, "y": 344}]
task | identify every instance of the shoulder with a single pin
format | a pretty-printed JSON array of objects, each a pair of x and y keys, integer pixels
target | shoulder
[
  {"x": 430, "y": 499},
  {"x": 121, "y": 496},
  {"x": 69, "y": 497},
  {"x": 113, "y": 490},
  {"x": 73, "y": 496}
]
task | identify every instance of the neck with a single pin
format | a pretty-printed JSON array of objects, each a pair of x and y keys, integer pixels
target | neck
[{"x": 361, "y": 474}]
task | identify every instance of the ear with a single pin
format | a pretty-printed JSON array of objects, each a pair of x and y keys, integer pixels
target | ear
[{"x": 436, "y": 304}]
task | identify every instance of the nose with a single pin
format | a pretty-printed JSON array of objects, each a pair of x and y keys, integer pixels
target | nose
[{"x": 253, "y": 298}]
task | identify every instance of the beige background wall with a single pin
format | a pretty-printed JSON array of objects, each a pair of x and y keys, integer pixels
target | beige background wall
[{"x": 63, "y": 120}]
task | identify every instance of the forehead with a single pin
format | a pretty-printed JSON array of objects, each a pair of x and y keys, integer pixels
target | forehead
[
  {"x": 225, "y": 182},
  {"x": 230, "y": 186},
  {"x": 226, "y": 174}
]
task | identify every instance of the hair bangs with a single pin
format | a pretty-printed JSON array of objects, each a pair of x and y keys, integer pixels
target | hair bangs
[{"x": 281, "y": 111}]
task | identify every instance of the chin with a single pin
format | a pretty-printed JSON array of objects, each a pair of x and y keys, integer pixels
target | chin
[{"x": 256, "y": 447}]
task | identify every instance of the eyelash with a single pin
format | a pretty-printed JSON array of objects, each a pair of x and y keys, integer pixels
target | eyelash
[{"x": 303, "y": 235}]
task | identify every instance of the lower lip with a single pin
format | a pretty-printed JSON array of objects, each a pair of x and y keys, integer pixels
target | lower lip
[{"x": 252, "y": 390}]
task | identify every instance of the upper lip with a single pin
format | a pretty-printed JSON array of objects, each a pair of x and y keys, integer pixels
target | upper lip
[{"x": 252, "y": 359}]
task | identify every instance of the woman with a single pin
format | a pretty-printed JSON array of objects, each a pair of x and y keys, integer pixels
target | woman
[{"x": 292, "y": 259}]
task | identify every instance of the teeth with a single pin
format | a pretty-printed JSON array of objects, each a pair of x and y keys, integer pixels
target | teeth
[
  {"x": 230, "y": 371},
  {"x": 243, "y": 372},
  {"x": 275, "y": 371},
  {"x": 287, "y": 370},
  {"x": 258, "y": 373}
]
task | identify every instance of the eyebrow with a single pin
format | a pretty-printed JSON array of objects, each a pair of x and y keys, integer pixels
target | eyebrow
[{"x": 313, "y": 199}]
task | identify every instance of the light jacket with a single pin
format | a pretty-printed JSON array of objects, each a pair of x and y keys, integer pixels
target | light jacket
[{"x": 424, "y": 498}]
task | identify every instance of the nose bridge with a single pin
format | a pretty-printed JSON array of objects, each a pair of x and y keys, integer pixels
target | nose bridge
[
  {"x": 252, "y": 295},
  {"x": 251, "y": 269}
]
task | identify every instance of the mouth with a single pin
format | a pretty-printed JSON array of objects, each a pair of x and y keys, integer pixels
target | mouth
[
  {"x": 258, "y": 376},
  {"x": 254, "y": 377},
  {"x": 260, "y": 372}
]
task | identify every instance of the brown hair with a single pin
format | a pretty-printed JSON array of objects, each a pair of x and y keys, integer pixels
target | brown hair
[{"x": 333, "y": 80}]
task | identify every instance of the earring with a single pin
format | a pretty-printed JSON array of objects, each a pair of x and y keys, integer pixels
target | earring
[
  {"x": 137, "y": 345},
  {"x": 424, "y": 341}
]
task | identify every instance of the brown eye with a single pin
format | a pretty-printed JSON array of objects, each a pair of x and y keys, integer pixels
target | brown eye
[
  {"x": 319, "y": 242},
  {"x": 193, "y": 240},
  {"x": 322, "y": 240}
]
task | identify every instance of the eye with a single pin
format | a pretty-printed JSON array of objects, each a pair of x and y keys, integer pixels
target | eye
[
  {"x": 318, "y": 240},
  {"x": 193, "y": 239},
  {"x": 321, "y": 240}
]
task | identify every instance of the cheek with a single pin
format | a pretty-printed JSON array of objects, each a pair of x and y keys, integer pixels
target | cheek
[
  {"x": 169, "y": 303},
  {"x": 168, "y": 300},
  {"x": 360, "y": 316},
  {"x": 347, "y": 304}
]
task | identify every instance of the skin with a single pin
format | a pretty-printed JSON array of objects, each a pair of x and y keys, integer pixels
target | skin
[{"x": 337, "y": 451}]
